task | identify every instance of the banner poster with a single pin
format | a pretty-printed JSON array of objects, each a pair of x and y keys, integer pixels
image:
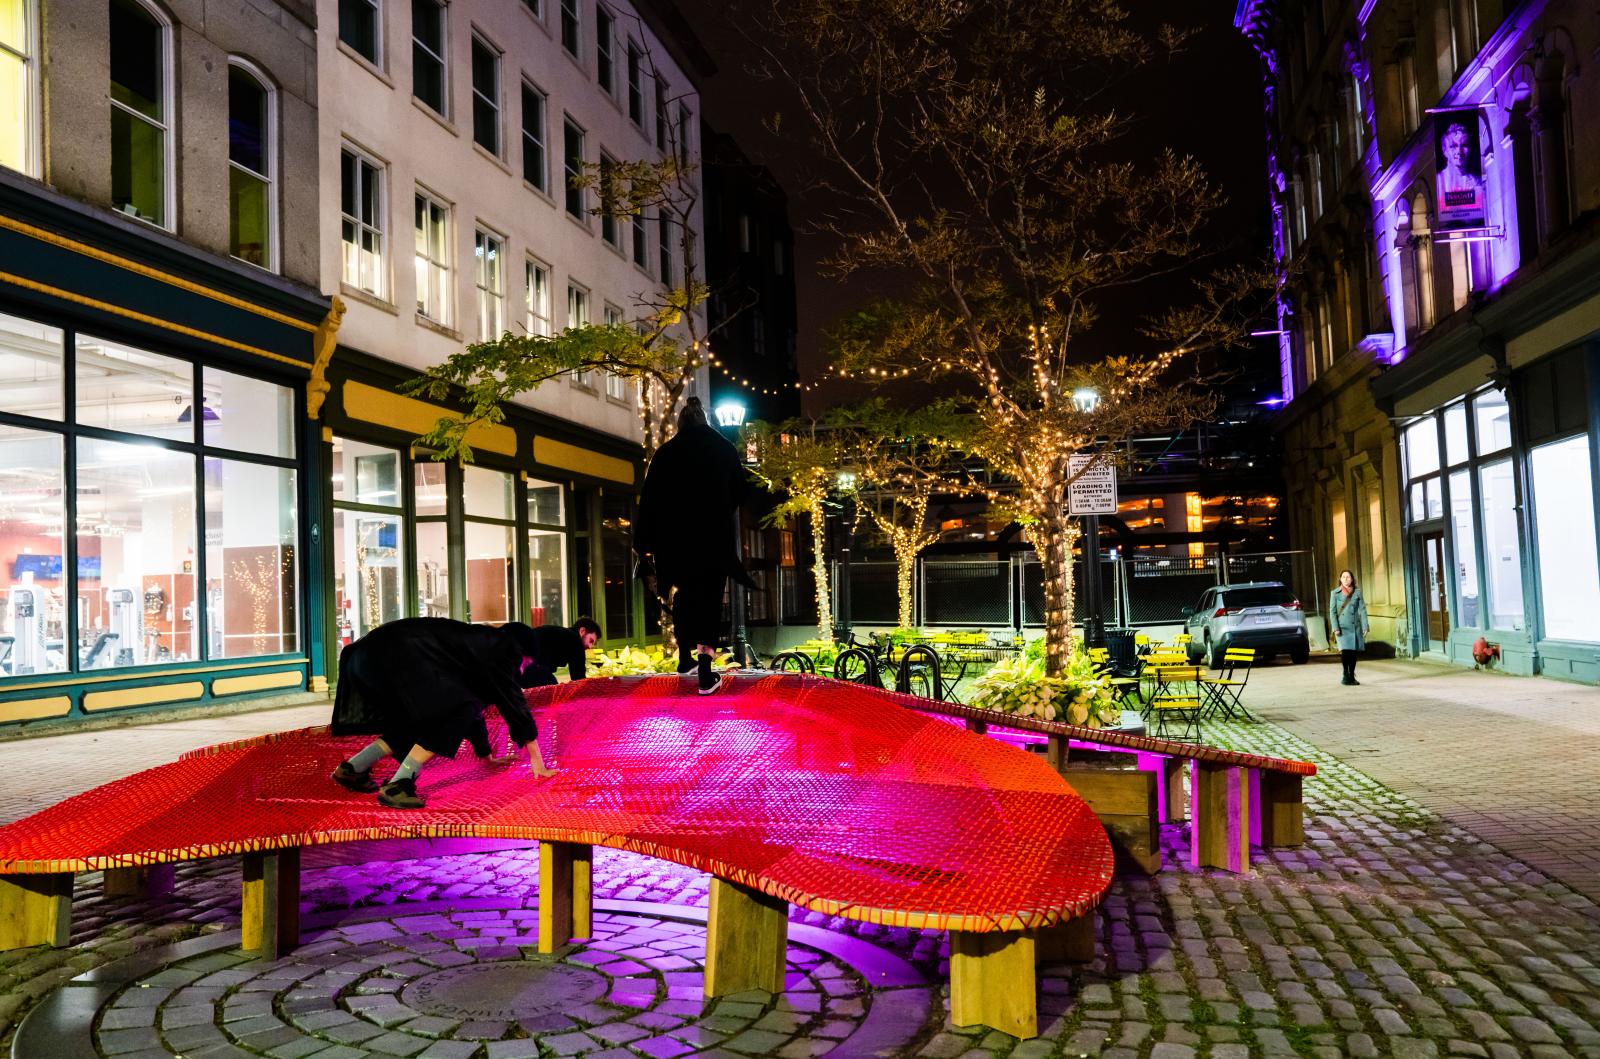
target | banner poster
[{"x": 1458, "y": 189}]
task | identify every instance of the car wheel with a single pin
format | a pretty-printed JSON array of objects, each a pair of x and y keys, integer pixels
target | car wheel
[
  {"x": 1300, "y": 655},
  {"x": 1214, "y": 655}
]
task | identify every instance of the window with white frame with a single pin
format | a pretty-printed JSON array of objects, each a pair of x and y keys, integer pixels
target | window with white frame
[
  {"x": 361, "y": 27},
  {"x": 635, "y": 85},
  {"x": 578, "y": 316},
  {"x": 252, "y": 205},
  {"x": 19, "y": 86},
  {"x": 428, "y": 52},
  {"x": 1410, "y": 97},
  {"x": 572, "y": 163},
  {"x": 616, "y": 385},
  {"x": 610, "y": 226},
  {"x": 361, "y": 221},
  {"x": 664, "y": 249},
  {"x": 487, "y": 249},
  {"x": 605, "y": 67},
  {"x": 685, "y": 144},
  {"x": 141, "y": 91},
  {"x": 536, "y": 297},
  {"x": 571, "y": 31},
  {"x": 661, "y": 113},
  {"x": 641, "y": 240},
  {"x": 485, "y": 95},
  {"x": 433, "y": 258},
  {"x": 535, "y": 165}
]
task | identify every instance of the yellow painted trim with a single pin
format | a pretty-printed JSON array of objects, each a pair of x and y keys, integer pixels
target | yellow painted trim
[
  {"x": 148, "y": 695},
  {"x": 35, "y": 709},
  {"x": 398, "y": 412},
  {"x": 137, "y": 674},
  {"x": 146, "y": 318},
  {"x": 258, "y": 682},
  {"x": 553, "y": 453},
  {"x": 150, "y": 273}
]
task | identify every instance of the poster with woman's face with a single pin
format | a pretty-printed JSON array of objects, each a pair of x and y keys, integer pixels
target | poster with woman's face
[{"x": 1458, "y": 188}]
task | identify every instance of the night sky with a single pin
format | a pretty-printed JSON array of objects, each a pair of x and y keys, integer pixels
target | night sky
[{"x": 1206, "y": 102}]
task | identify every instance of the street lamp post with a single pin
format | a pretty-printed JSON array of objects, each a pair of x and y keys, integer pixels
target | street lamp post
[
  {"x": 730, "y": 417},
  {"x": 845, "y": 480},
  {"x": 1086, "y": 400}
]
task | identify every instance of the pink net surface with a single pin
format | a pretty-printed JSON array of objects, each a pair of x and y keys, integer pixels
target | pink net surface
[{"x": 828, "y": 795}]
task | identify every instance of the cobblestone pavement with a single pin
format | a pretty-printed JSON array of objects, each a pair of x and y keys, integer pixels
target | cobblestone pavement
[
  {"x": 1515, "y": 760},
  {"x": 1390, "y": 933}
]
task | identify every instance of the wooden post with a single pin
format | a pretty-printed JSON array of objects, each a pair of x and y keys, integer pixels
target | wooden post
[
  {"x": 271, "y": 917},
  {"x": 1125, "y": 801},
  {"x": 992, "y": 982},
  {"x": 978, "y": 727},
  {"x": 35, "y": 910},
  {"x": 1173, "y": 802},
  {"x": 1277, "y": 809},
  {"x": 1055, "y": 751},
  {"x": 144, "y": 882},
  {"x": 1069, "y": 942},
  {"x": 566, "y": 893},
  {"x": 747, "y": 940},
  {"x": 1219, "y": 810}
]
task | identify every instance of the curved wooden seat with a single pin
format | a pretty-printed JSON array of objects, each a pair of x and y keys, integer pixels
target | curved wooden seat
[{"x": 786, "y": 788}]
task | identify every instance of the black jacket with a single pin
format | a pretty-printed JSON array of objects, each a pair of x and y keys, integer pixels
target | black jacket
[
  {"x": 555, "y": 646},
  {"x": 687, "y": 507},
  {"x": 430, "y": 678}
]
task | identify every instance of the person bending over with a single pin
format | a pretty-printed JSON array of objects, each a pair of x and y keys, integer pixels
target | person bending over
[
  {"x": 554, "y": 646},
  {"x": 421, "y": 685}
]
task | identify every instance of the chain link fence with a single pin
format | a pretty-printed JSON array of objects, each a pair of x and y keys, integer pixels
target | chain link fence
[
  {"x": 1111, "y": 605},
  {"x": 966, "y": 592}
]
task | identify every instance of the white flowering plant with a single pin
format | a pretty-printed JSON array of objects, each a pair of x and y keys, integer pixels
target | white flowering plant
[
  {"x": 629, "y": 661},
  {"x": 1080, "y": 695}
]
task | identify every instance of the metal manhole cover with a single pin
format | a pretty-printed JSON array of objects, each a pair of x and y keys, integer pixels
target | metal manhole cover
[{"x": 504, "y": 990}]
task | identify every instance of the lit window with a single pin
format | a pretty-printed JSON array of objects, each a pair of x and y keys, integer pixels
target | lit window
[
  {"x": 428, "y": 52},
  {"x": 578, "y": 316},
  {"x": 140, "y": 81},
  {"x": 19, "y": 86},
  {"x": 433, "y": 258},
  {"x": 360, "y": 26},
  {"x": 534, "y": 168},
  {"x": 569, "y": 27},
  {"x": 572, "y": 144},
  {"x": 251, "y": 207},
  {"x": 491, "y": 286},
  {"x": 1569, "y": 580},
  {"x": 536, "y": 295},
  {"x": 605, "y": 68},
  {"x": 485, "y": 97},
  {"x": 616, "y": 385},
  {"x": 361, "y": 221}
]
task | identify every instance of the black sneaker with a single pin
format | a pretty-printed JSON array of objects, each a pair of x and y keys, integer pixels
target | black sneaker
[
  {"x": 710, "y": 679},
  {"x": 347, "y": 777},
  {"x": 401, "y": 794}
]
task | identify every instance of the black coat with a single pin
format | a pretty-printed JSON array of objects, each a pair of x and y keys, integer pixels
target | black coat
[
  {"x": 555, "y": 646},
  {"x": 429, "y": 679},
  {"x": 687, "y": 507}
]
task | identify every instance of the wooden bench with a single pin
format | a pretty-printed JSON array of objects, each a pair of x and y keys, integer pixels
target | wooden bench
[
  {"x": 1234, "y": 799},
  {"x": 787, "y": 789}
]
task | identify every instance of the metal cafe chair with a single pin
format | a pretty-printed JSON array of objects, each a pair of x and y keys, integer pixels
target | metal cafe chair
[
  {"x": 1223, "y": 692},
  {"x": 1177, "y": 699}
]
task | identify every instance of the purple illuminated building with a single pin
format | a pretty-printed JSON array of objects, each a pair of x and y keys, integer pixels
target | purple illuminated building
[{"x": 1435, "y": 179}]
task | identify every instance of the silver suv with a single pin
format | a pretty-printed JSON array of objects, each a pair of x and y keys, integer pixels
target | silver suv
[{"x": 1264, "y": 615}]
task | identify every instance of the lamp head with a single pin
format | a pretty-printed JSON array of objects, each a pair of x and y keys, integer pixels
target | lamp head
[
  {"x": 730, "y": 414},
  {"x": 1086, "y": 399}
]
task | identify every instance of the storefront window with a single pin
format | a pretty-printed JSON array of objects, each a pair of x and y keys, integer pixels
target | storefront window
[
  {"x": 486, "y": 493},
  {"x": 368, "y": 572},
  {"x": 1422, "y": 448},
  {"x": 252, "y": 582},
  {"x": 136, "y": 554},
  {"x": 491, "y": 572},
  {"x": 30, "y": 368},
  {"x": 1455, "y": 434},
  {"x": 433, "y": 570},
  {"x": 365, "y": 474},
  {"x": 33, "y": 585},
  {"x": 247, "y": 414},
  {"x": 1463, "y": 540},
  {"x": 1493, "y": 417},
  {"x": 547, "y": 577},
  {"x": 544, "y": 504},
  {"x": 1569, "y": 576},
  {"x": 121, "y": 388},
  {"x": 428, "y": 481},
  {"x": 1502, "y": 558},
  {"x": 616, "y": 555}
]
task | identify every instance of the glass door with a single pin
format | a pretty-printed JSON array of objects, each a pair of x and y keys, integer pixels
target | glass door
[{"x": 1434, "y": 589}]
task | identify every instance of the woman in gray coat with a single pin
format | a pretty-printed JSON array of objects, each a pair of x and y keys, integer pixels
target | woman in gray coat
[{"x": 1348, "y": 612}]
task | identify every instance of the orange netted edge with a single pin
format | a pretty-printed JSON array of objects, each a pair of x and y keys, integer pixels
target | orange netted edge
[{"x": 827, "y": 795}]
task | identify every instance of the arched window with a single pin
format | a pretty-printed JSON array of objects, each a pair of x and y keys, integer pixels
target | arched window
[
  {"x": 19, "y": 85},
  {"x": 141, "y": 106},
  {"x": 252, "y": 167},
  {"x": 1420, "y": 249}
]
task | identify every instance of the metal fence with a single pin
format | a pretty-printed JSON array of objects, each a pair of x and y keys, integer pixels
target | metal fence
[
  {"x": 1111, "y": 604},
  {"x": 874, "y": 596},
  {"x": 966, "y": 592}
]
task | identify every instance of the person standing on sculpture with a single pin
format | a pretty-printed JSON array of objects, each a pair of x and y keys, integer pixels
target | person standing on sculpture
[
  {"x": 686, "y": 537},
  {"x": 421, "y": 685}
]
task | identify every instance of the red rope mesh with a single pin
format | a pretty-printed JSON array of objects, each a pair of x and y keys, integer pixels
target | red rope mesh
[{"x": 828, "y": 795}]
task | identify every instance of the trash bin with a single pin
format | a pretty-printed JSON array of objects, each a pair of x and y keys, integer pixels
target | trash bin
[{"x": 1120, "y": 647}]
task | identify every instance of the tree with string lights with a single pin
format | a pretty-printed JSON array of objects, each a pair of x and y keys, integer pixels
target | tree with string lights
[
  {"x": 801, "y": 461},
  {"x": 975, "y": 156}
]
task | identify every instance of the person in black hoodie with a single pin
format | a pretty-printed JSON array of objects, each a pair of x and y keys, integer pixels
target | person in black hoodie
[
  {"x": 685, "y": 535},
  {"x": 421, "y": 685},
  {"x": 554, "y": 646}
]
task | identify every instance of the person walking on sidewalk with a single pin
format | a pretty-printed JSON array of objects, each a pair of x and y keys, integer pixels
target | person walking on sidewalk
[
  {"x": 1348, "y": 610},
  {"x": 685, "y": 535},
  {"x": 421, "y": 685}
]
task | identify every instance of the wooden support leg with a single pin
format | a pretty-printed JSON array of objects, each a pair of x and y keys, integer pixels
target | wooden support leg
[
  {"x": 1219, "y": 808},
  {"x": 1055, "y": 751},
  {"x": 747, "y": 940},
  {"x": 1174, "y": 799},
  {"x": 1124, "y": 800},
  {"x": 35, "y": 910},
  {"x": 1277, "y": 812},
  {"x": 151, "y": 880},
  {"x": 566, "y": 893},
  {"x": 992, "y": 982},
  {"x": 1069, "y": 942},
  {"x": 271, "y": 919},
  {"x": 978, "y": 727}
]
